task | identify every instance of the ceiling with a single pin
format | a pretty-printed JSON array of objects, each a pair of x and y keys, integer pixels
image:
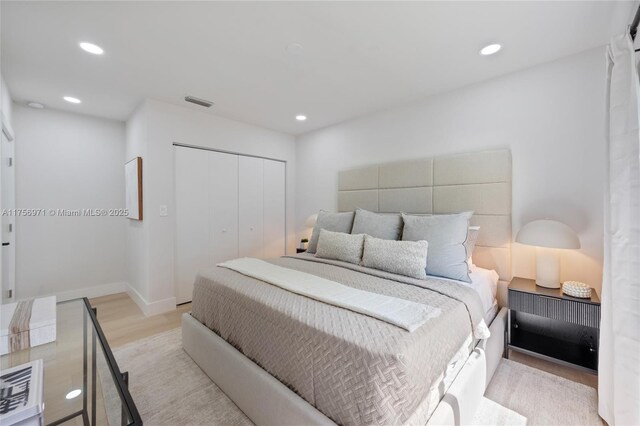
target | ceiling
[{"x": 356, "y": 57}]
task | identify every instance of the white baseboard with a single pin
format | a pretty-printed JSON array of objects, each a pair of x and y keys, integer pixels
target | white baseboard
[
  {"x": 151, "y": 308},
  {"x": 147, "y": 308},
  {"x": 90, "y": 292}
]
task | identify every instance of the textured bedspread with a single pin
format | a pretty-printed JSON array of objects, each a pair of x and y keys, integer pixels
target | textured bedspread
[{"x": 353, "y": 368}]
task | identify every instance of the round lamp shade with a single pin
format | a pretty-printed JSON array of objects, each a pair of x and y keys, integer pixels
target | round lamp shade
[
  {"x": 311, "y": 220},
  {"x": 548, "y": 233}
]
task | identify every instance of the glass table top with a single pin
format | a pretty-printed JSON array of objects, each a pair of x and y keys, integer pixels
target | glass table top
[{"x": 82, "y": 382}]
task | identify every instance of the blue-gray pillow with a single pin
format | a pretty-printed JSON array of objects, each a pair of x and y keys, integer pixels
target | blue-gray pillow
[
  {"x": 384, "y": 226},
  {"x": 335, "y": 222},
  {"x": 446, "y": 235}
]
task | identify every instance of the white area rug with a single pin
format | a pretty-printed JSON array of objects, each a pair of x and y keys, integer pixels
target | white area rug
[
  {"x": 169, "y": 389},
  {"x": 519, "y": 395}
]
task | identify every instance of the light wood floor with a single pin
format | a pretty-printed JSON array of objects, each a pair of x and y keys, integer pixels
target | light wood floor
[
  {"x": 123, "y": 322},
  {"x": 557, "y": 369}
]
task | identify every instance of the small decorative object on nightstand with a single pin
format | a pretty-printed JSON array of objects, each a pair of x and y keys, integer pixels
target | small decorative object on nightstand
[
  {"x": 549, "y": 324},
  {"x": 548, "y": 236},
  {"x": 576, "y": 289}
]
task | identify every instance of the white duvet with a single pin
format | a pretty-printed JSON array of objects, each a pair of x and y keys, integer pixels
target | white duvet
[{"x": 485, "y": 283}]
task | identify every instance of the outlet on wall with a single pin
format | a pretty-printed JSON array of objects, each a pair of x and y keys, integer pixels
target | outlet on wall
[{"x": 164, "y": 211}]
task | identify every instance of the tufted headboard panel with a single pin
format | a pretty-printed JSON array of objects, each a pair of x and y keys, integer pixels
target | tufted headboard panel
[{"x": 478, "y": 181}]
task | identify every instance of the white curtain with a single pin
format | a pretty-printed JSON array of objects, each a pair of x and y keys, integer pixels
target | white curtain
[{"x": 619, "y": 367}]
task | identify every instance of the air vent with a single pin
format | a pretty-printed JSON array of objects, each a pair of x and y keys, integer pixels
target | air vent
[{"x": 198, "y": 101}]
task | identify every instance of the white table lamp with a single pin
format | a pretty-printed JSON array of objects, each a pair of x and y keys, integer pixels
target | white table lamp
[
  {"x": 311, "y": 220},
  {"x": 548, "y": 236}
]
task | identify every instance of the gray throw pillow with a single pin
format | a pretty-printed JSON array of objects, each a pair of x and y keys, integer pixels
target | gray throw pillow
[
  {"x": 340, "y": 246},
  {"x": 407, "y": 258},
  {"x": 446, "y": 234},
  {"x": 336, "y": 222},
  {"x": 385, "y": 226}
]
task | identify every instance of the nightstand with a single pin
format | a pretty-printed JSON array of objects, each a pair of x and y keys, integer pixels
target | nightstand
[
  {"x": 548, "y": 324},
  {"x": 300, "y": 250}
]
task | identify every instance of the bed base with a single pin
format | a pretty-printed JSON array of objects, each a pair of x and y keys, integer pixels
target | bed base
[{"x": 266, "y": 401}]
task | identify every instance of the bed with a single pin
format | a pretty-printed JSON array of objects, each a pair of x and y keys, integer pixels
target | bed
[{"x": 287, "y": 359}]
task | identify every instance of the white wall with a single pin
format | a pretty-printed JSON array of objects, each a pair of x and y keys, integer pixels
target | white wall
[
  {"x": 551, "y": 116},
  {"x": 163, "y": 125},
  {"x": 137, "y": 231},
  {"x": 69, "y": 161}
]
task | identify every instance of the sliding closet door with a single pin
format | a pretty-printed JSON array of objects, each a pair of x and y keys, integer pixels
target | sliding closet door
[
  {"x": 274, "y": 208},
  {"x": 192, "y": 243},
  {"x": 251, "y": 221},
  {"x": 227, "y": 206},
  {"x": 223, "y": 196}
]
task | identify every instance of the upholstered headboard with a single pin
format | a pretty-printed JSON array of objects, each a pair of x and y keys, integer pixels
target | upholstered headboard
[{"x": 478, "y": 181}]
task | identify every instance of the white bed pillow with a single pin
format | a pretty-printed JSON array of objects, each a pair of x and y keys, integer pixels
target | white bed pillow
[
  {"x": 407, "y": 258},
  {"x": 472, "y": 238},
  {"x": 340, "y": 246}
]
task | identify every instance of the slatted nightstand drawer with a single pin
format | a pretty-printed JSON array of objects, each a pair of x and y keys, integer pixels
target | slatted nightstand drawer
[
  {"x": 522, "y": 302},
  {"x": 580, "y": 313},
  {"x": 546, "y": 323}
]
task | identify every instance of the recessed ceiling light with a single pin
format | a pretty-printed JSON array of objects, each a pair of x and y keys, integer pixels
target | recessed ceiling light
[
  {"x": 73, "y": 394},
  {"x": 72, "y": 99},
  {"x": 91, "y": 48},
  {"x": 36, "y": 105},
  {"x": 301, "y": 117},
  {"x": 490, "y": 49}
]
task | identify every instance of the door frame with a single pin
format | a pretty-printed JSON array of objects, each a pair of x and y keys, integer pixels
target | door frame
[
  {"x": 204, "y": 148},
  {"x": 7, "y": 132}
]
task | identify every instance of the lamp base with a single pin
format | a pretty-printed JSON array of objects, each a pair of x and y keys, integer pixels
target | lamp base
[
  {"x": 547, "y": 267},
  {"x": 548, "y": 284}
]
